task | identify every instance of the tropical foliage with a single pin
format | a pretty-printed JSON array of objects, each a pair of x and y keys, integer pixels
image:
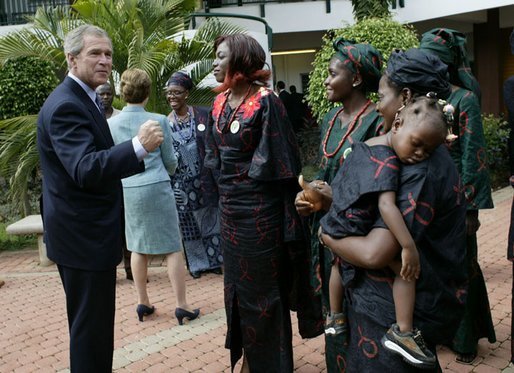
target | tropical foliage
[
  {"x": 24, "y": 85},
  {"x": 147, "y": 34},
  {"x": 25, "y": 82},
  {"x": 383, "y": 33},
  {"x": 371, "y": 8},
  {"x": 496, "y": 133}
]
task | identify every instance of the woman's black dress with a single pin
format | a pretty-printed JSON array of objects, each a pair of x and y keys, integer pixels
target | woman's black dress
[
  {"x": 431, "y": 200},
  {"x": 258, "y": 163},
  {"x": 366, "y": 172}
]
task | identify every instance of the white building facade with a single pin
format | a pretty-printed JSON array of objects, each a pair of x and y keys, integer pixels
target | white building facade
[{"x": 298, "y": 26}]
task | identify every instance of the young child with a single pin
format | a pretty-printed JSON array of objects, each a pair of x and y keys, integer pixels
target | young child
[{"x": 366, "y": 185}]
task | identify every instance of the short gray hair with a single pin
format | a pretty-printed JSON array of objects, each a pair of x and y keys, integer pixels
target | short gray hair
[
  {"x": 74, "y": 41},
  {"x": 107, "y": 85}
]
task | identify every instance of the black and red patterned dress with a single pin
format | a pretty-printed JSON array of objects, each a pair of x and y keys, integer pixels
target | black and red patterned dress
[
  {"x": 256, "y": 154},
  {"x": 431, "y": 200},
  {"x": 366, "y": 172}
]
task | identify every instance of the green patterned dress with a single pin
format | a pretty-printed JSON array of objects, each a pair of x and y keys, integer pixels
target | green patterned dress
[
  {"x": 469, "y": 154},
  {"x": 368, "y": 125}
]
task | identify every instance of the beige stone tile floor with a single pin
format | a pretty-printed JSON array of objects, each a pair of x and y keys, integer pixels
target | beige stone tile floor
[{"x": 34, "y": 336}]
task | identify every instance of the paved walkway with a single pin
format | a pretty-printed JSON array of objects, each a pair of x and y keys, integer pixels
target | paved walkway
[{"x": 34, "y": 335}]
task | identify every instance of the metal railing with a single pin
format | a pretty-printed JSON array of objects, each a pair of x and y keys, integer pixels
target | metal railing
[
  {"x": 208, "y": 4},
  {"x": 15, "y": 12},
  {"x": 223, "y": 3}
]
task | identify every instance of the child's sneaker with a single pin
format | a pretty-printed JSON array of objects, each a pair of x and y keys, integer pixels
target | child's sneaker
[
  {"x": 336, "y": 324},
  {"x": 410, "y": 345}
]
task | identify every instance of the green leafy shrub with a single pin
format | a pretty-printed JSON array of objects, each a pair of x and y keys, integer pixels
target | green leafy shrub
[
  {"x": 383, "y": 33},
  {"x": 496, "y": 132},
  {"x": 370, "y": 8},
  {"x": 25, "y": 83}
]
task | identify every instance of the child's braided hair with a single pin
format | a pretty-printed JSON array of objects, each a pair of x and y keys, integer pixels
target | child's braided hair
[{"x": 419, "y": 105}]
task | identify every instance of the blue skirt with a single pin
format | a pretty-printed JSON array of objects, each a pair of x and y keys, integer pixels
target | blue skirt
[{"x": 151, "y": 219}]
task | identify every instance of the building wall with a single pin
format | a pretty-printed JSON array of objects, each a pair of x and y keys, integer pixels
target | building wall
[
  {"x": 300, "y": 25},
  {"x": 4, "y": 30},
  {"x": 289, "y": 68},
  {"x": 313, "y": 16}
]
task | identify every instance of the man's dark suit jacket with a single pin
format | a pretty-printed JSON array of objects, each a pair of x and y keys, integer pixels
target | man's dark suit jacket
[
  {"x": 82, "y": 195},
  {"x": 286, "y": 100},
  {"x": 285, "y": 97}
]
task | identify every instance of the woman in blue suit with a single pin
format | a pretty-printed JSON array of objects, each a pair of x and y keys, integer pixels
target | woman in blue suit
[{"x": 151, "y": 220}]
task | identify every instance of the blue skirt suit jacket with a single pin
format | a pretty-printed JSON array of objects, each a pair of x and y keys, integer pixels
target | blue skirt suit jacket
[{"x": 151, "y": 219}]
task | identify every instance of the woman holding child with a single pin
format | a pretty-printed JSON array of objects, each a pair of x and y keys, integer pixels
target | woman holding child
[{"x": 430, "y": 200}]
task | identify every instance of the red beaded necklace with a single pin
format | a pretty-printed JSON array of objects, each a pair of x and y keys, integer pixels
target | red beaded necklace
[
  {"x": 348, "y": 130},
  {"x": 233, "y": 113}
]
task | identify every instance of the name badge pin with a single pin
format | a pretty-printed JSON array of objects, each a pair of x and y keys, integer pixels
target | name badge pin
[{"x": 234, "y": 127}]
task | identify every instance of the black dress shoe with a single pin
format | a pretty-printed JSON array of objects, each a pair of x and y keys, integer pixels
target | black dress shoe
[
  {"x": 196, "y": 274},
  {"x": 217, "y": 271}
]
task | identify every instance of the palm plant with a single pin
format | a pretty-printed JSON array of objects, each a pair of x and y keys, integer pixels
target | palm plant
[
  {"x": 145, "y": 33},
  {"x": 19, "y": 157}
]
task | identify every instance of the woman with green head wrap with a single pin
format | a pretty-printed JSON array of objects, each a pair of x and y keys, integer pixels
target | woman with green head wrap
[
  {"x": 468, "y": 153},
  {"x": 353, "y": 72},
  {"x": 450, "y": 46}
]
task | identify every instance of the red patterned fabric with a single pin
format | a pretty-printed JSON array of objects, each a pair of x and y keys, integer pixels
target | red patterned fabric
[{"x": 264, "y": 245}]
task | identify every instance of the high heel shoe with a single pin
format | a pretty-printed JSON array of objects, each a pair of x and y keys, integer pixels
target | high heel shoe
[
  {"x": 182, "y": 314},
  {"x": 143, "y": 310}
]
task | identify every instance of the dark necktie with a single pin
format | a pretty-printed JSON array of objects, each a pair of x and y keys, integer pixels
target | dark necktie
[{"x": 100, "y": 104}]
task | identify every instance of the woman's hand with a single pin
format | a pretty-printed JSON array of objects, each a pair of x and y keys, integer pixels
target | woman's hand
[
  {"x": 303, "y": 206},
  {"x": 315, "y": 196}
]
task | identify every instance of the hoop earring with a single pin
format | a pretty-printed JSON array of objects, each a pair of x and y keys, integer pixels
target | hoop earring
[{"x": 396, "y": 116}]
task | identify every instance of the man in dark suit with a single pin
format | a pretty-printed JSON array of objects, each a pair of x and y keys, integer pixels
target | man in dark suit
[
  {"x": 82, "y": 195},
  {"x": 298, "y": 109},
  {"x": 283, "y": 94},
  {"x": 285, "y": 97}
]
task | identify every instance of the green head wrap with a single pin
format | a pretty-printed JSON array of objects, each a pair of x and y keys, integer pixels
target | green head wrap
[
  {"x": 361, "y": 59},
  {"x": 450, "y": 46}
]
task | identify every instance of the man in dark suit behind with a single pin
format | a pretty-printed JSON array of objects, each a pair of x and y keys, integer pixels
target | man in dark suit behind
[
  {"x": 82, "y": 195},
  {"x": 285, "y": 97},
  {"x": 282, "y": 93},
  {"x": 298, "y": 109}
]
